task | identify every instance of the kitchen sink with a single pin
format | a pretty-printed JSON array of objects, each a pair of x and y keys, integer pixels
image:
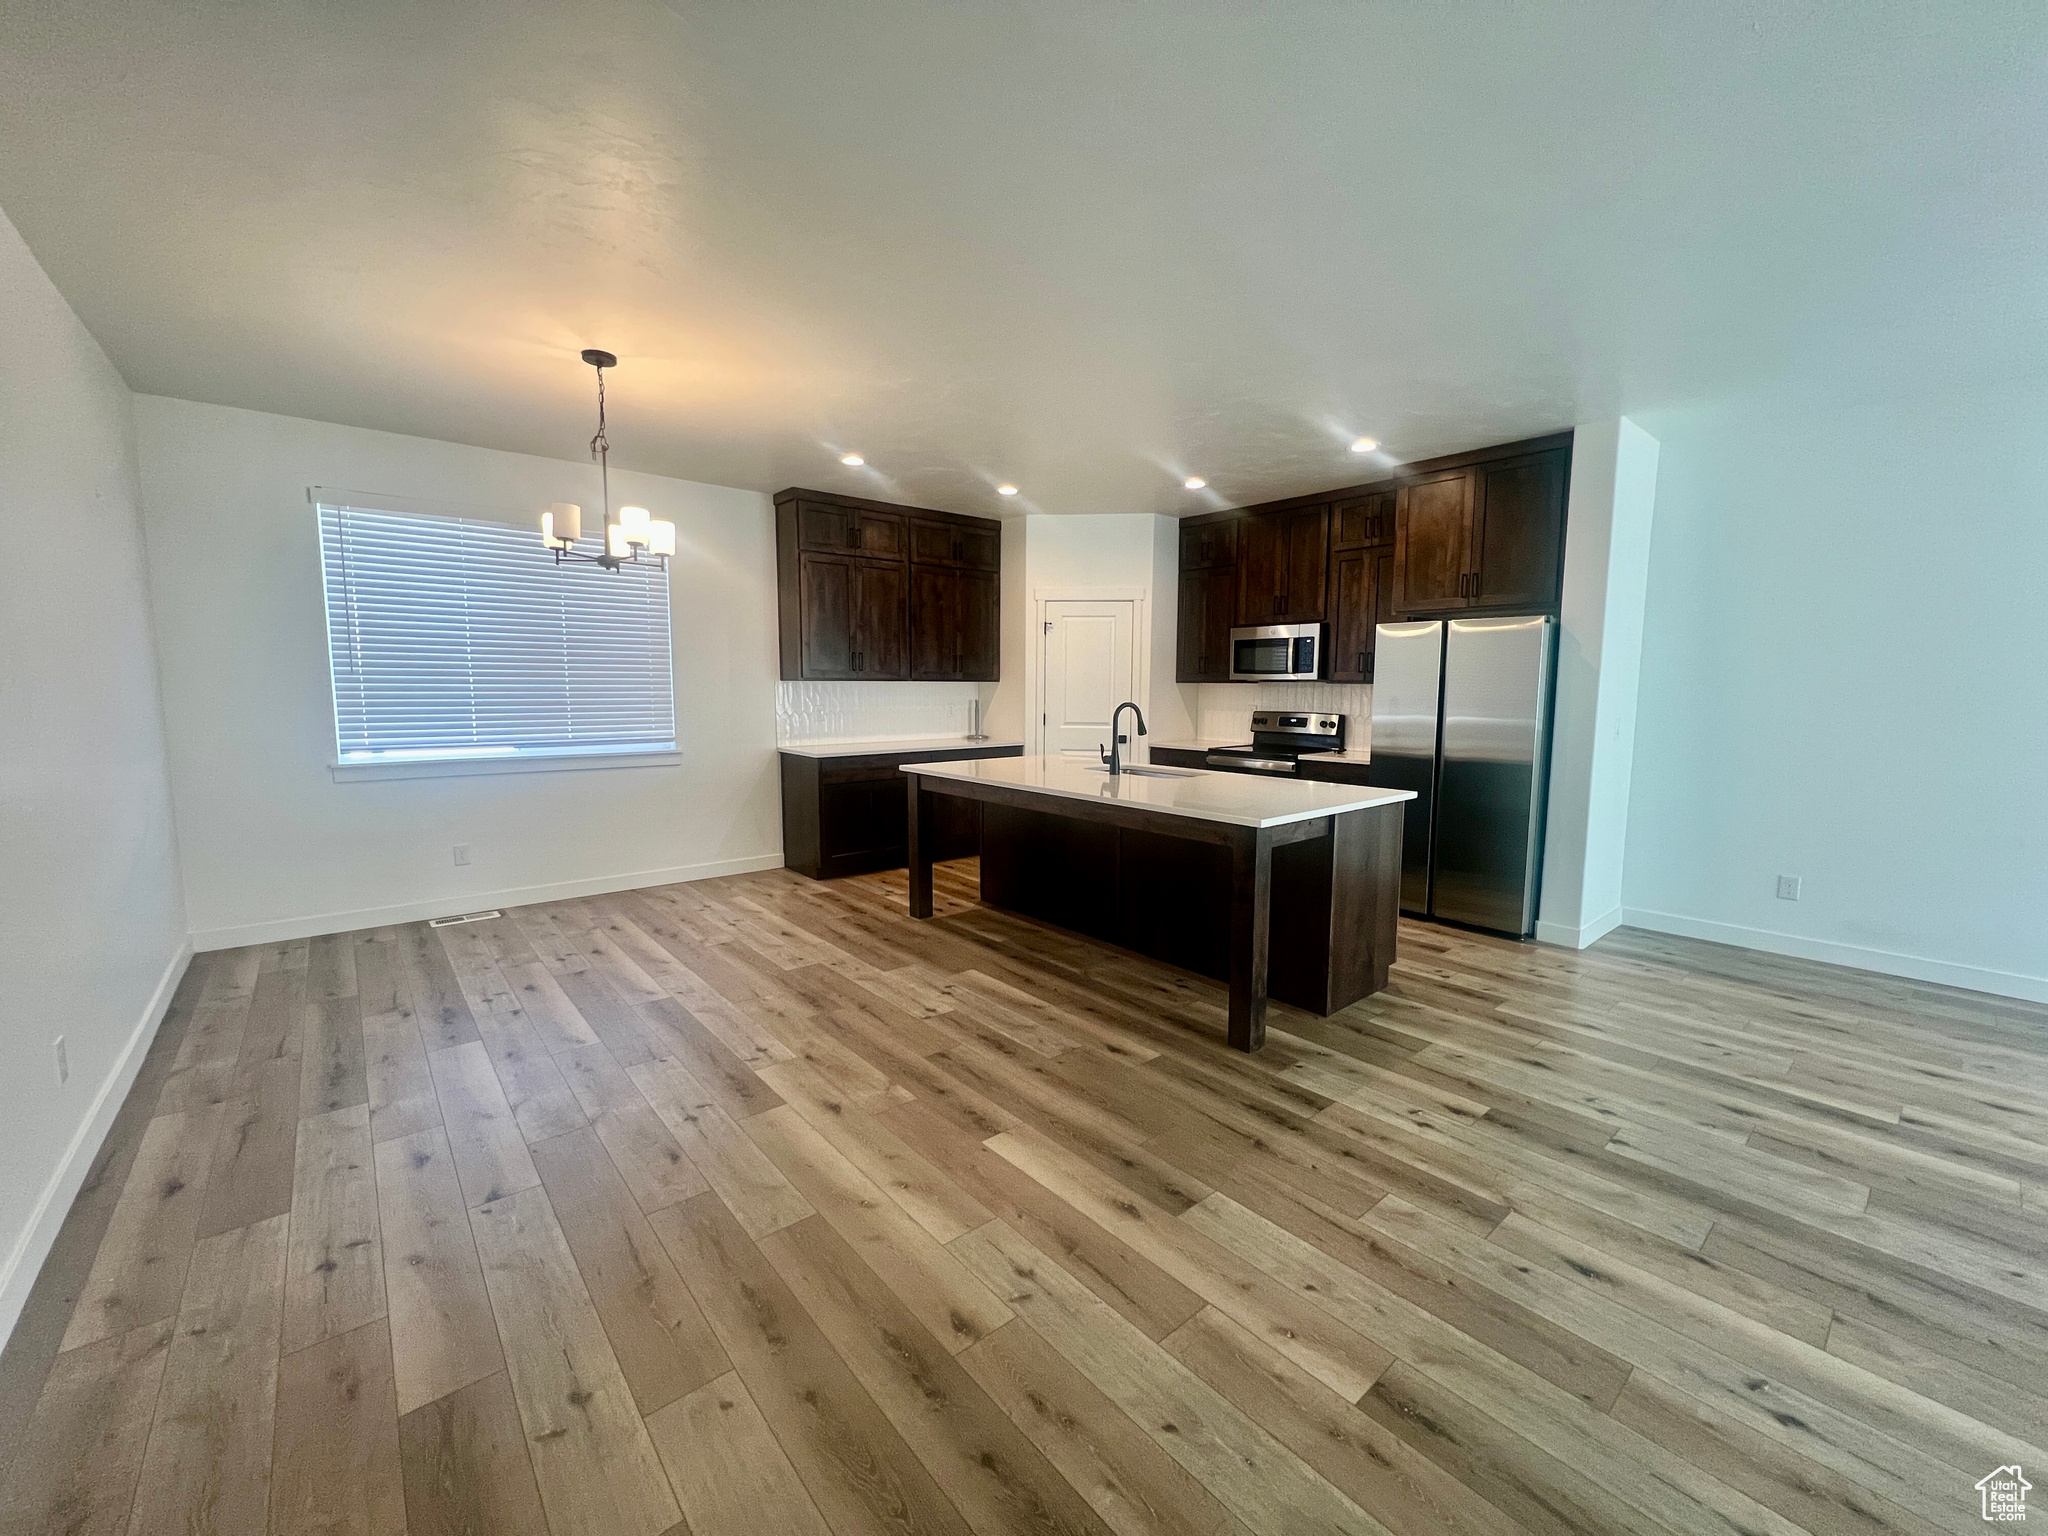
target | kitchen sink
[{"x": 1150, "y": 773}]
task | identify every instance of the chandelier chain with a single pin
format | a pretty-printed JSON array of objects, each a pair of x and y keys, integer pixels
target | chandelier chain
[{"x": 601, "y": 450}]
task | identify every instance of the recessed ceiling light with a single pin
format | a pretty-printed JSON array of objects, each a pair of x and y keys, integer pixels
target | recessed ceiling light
[
  {"x": 1365, "y": 445},
  {"x": 1194, "y": 482},
  {"x": 1006, "y": 490},
  {"x": 852, "y": 458}
]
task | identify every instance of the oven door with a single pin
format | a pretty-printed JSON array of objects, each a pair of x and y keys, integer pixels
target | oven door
[{"x": 1276, "y": 653}]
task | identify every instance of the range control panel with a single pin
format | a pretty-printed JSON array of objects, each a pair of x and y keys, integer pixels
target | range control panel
[{"x": 1303, "y": 724}]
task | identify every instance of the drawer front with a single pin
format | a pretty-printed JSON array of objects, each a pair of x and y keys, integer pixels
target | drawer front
[
  {"x": 1336, "y": 773},
  {"x": 855, "y": 771}
]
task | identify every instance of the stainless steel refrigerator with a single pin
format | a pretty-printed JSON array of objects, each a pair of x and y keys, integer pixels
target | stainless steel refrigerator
[{"x": 1461, "y": 715}]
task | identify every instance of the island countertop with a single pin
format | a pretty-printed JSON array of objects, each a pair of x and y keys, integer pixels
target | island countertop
[{"x": 1234, "y": 799}]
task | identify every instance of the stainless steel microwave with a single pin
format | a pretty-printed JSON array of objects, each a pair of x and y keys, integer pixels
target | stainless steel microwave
[{"x": 1269, "y": 653}]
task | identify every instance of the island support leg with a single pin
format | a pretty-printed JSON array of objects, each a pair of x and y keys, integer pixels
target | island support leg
[
  {"x": 1251, "y": 906},
  {"x": 923, "y": 838}
]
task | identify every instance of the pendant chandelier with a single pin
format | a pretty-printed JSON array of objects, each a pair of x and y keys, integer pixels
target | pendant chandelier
[{"x": 634, "y": 537}]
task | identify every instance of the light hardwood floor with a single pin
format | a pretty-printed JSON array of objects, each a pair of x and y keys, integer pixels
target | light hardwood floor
[{"x": 753, "y": 1206}]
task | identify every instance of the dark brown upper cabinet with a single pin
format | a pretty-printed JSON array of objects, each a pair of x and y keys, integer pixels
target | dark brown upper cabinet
[
  {"x": 1486, "y": 537},
  {"x": 1206, "y": 545},
  {"x": 1362, "y": 521},
  {"x": 1518, "y": 522},
  {"x": 1478, "y": 532},
  {"x": 851, "y": 530},
  {"x": 1282, "y": 564},
  {"x": 1361, "y": 599},
  {"x": 856, "y": 617},
  {"x": 955, "y": 543},
  {"x": 868, "y": 590},
  {"x": 954, "y": 618},
  {"x": 1208, "y": 607},
  {"x": 1433, "y": 544}
]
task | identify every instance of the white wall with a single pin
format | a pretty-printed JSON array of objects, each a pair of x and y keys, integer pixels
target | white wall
[
  {"x": 273, "y": 847},
  {"x": 95, "y": 926},
  {"x": 1845, "y": 678},
  {"x": 1007, "y": 702},
  {"x": 1608, "y": 526},
  {"x": 1099, "y": 554}
]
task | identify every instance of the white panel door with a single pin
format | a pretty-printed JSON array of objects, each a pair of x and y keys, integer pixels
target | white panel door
[{"x": 1089, "y": 670}]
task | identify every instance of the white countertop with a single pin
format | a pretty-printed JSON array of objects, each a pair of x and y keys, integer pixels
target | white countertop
[
  {"x": 1237, "y": 799},
  {"x": 896, "y": 744},
  {"x": 1215, "y": 743}
]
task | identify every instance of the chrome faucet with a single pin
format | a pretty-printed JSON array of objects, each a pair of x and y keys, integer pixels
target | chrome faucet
[{"x": 1114, "y": 756}]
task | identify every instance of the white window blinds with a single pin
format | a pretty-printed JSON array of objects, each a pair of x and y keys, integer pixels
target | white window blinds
[{"x": 456, "y": 637}]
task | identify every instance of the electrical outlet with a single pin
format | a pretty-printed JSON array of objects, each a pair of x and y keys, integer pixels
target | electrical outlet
[
  {"x": 462, "y": 853},
  {"x": 1788, "y": 887},
  {"x": 63, "y": 1062}
]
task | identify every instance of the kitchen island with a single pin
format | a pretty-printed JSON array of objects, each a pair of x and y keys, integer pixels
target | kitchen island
[{"x": 1279, "y": 887}]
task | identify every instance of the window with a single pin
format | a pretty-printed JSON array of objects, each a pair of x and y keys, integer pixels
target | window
[{"x": 454, "y": 638}]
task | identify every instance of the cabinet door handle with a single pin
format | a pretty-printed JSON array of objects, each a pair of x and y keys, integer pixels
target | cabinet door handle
[{"x": 1361, "y": 661}]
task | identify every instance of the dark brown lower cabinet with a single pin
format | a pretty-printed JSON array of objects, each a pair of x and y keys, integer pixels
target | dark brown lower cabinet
[{"x": 849, "y": 815}]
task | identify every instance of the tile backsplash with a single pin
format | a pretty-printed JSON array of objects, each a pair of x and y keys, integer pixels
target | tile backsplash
[
  {"x": 872, "y": 711},
  {"x": 1225, "y": 709}
]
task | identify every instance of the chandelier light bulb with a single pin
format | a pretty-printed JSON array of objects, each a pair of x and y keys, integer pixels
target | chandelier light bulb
[
  {"x": 561, "y": 525},
  {"x": 661, "y": 537}
]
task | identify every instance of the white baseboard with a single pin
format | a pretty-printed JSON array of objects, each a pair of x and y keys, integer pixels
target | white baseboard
[
  {"x": 284, "y": 929},
  {"x": 1974, "y": 978},
  {"x": 1580, "y": 937},
  {"x": 46, "y": 1217}
]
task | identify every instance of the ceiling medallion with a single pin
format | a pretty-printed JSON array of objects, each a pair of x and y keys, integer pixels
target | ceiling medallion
[{"x": 634, "y": 537}]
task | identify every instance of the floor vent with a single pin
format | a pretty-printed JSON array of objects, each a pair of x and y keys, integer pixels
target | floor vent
[{"x": 467, "y": 917}]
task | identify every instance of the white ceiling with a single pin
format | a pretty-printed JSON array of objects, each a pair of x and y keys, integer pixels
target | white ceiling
[{"x": 1087, "y": 247}]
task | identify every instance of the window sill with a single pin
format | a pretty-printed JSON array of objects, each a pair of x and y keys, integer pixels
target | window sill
[{"x": 466, "y": 767}]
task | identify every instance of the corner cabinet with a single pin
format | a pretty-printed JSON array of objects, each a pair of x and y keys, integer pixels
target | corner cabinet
[{"x": 868, "y": 591}]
